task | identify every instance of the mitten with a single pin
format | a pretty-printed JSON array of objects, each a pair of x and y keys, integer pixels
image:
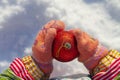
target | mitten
[
  {"x": 90, "y": 50},
  {"x": 42, "y": 47}
]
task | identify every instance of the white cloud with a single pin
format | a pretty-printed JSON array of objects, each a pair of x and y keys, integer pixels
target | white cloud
[
  {"x": 4, "y": 1},
  {"x": 115, "y": 3},
  {"x": 113, "y": 8},
  {"x": 77, "y": 12},
  {"x": 28, "y": 51},
  {"x": 1, "y": 27},
  {"x": 68, "y": 68},
  {"x": 8, "y": 10},
  {"x": 4, "y": 65}
]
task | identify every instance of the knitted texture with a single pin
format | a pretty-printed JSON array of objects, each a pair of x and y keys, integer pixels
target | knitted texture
[
  {"x": 19, "y": 69},
  {"x": 32, "y": 68},
  {"x": 106, "y": 61},
  {"x": 109, "y": 67},
  {"x": 8, "y": 74}
]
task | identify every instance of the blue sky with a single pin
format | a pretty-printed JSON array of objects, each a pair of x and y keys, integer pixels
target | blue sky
[{"x": 20, "y": 20}]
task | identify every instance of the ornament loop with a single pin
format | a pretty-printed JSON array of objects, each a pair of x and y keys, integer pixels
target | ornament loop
[{"x": 67, "y": 45}]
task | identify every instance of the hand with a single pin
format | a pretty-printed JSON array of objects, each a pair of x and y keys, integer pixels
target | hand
[
  {"x": 86, "y": 45},
  {"x": 90, "y": 50},
  {"x": 42, "y": 48}
]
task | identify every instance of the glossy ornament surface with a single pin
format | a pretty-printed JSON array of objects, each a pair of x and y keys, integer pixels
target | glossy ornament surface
[{"x": 65, "y": 46}]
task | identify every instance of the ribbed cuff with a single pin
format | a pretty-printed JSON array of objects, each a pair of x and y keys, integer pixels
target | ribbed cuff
[
  {"x": 46, "y": 67},
  {"x": 91, "y": 62},
  {"x": 106, "y": 61},
  {"x": 32, "y": 68}
]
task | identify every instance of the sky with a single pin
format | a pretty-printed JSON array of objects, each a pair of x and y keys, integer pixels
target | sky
[{"x": 20, "y": 21}]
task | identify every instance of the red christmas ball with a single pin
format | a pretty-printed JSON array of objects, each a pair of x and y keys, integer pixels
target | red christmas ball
[{"x": 65, "y": 46}]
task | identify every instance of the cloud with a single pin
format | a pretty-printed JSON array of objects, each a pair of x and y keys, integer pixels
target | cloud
[
  {"x": 113, "y": 8},
  {"x": 28, "y": 51},
  {"x": 7, "y": 10},
  {"x": 21, "y": 21},
  {"x": 0, "y": 27},
  {"x": 68, "y": 68},
  {"x": 4, "y": 65}
]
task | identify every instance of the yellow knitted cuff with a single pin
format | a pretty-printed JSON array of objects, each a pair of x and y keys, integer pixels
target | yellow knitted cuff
[
  {"x": 106, "y": 61},
  {"x": 32, "y": 68}
]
